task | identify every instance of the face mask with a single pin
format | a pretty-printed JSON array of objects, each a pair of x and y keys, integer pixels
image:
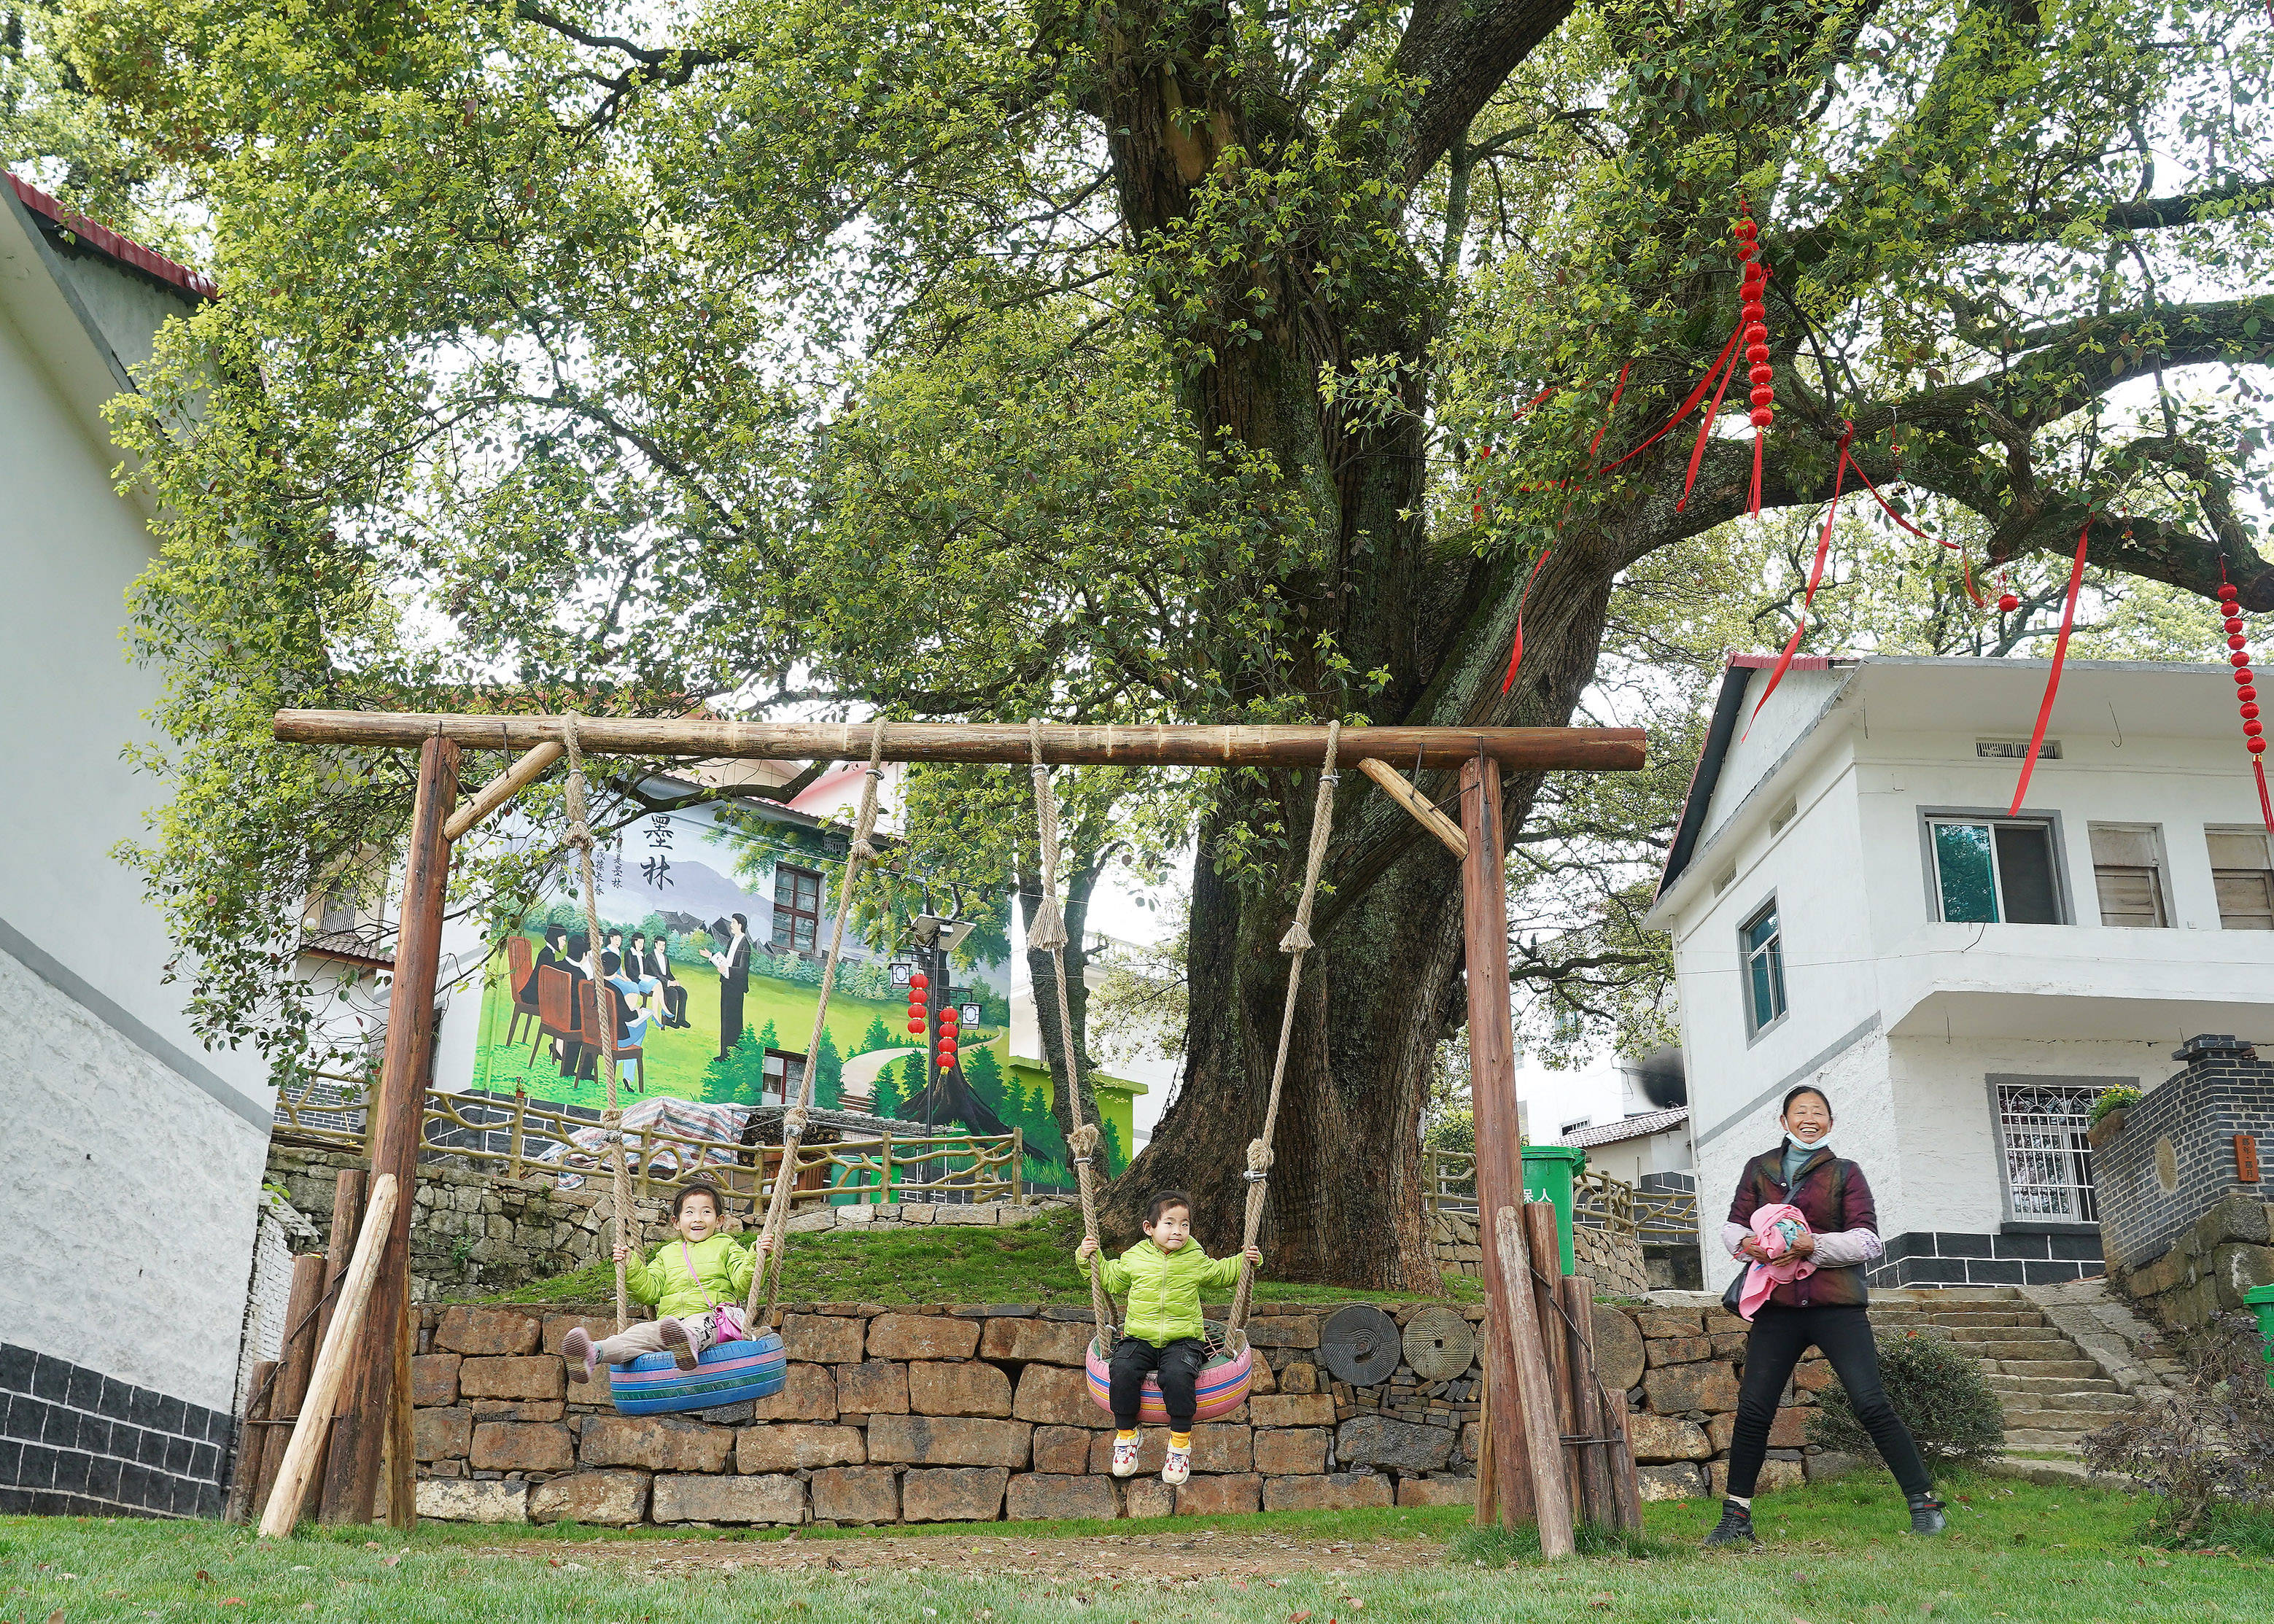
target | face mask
[{"x": 1809, "y": 1139}]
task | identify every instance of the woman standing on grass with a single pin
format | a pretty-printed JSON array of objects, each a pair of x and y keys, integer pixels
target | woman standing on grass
[{"x": 1825, "y": 1308}]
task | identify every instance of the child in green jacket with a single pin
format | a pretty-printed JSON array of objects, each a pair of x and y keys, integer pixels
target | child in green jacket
[
  {"x": 686, "y": 1279},
  {"x": 1162, "y": 1275}
]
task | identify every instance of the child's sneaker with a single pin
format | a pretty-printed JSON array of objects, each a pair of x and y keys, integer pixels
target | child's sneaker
[
  {"x": 582, "y": 1357},
  {"x": 1124, "y": 1457},
  {"x": 1178, "y": 1465},
  {"x": 673, "y": 1336}
]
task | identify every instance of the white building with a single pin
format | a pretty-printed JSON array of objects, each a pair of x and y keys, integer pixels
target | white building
[
  {"x": 129, "y": 1158},
  {"x": 1852, "y": 905}
]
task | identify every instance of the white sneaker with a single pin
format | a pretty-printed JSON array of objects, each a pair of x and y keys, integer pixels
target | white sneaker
[
  {"x": 1178, "y": 1466},
  {"x": 1124, "y": 1458}
]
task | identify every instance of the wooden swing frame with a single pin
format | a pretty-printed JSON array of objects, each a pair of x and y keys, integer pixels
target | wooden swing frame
[{"x": 370, "y": 1441}]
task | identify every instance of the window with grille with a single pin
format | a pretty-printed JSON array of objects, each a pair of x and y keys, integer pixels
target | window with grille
[
  {"x": 2242, "y": 874},
  {"x": 1761, "y": 940},
  {"x": 784, "y": 1073},
  {"x": 797, "y": 907},
  {"x": 2048, "y": 1161},
  {"x": 1994, "y": 870},
  {"x": 2128, "y": 872}
]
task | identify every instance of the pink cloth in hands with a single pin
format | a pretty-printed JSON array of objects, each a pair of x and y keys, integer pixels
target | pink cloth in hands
[{"x": 1774, "y": 1227}]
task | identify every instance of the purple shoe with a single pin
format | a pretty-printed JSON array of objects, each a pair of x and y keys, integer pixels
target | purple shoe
[{"x": 583, "y": 1357}]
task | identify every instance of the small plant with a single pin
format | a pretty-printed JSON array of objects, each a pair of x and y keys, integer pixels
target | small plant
[
  {"x": 2208, "y": 1450},
  {"x": 2119, "y": 1098},
  {"x": 1938, "y": 1392},
  {"x": 461, "y": 1250}
]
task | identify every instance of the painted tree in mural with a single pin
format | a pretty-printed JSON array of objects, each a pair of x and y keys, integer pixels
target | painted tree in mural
[{"x": 1127, "y": 360}]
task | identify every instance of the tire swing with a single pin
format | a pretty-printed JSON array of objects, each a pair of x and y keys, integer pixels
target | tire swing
[
  {"x": 753, "y": 1365},
  {"x": 1230, "y": 1371}
]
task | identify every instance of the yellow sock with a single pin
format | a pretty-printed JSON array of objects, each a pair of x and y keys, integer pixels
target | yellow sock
[
  {"x": 1129, "y": 1437},
  {"x": 1180, "y": 1440}
]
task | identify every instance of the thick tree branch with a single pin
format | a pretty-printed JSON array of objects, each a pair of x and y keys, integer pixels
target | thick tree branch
[{"x": 1465, "y": 50}]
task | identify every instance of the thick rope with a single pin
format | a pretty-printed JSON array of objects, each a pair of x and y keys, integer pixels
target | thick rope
[
  {"x": 774, "y": 1234},
  {"x": 580, "y": 835},
  {"x": 1296, "y": 942},
  {"x": 1049, "y": 935}
]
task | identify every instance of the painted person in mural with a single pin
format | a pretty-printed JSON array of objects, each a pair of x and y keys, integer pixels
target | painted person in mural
[
  {"x": 734, "y": 968},
  {"x": 674, "y": 994}
]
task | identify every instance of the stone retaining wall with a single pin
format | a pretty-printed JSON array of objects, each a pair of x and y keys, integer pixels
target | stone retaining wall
[
  {"x": 2223, "y": 1254},
  {"x": 976, "y": 1412},
  {"x": 1614, "y": 1262}
]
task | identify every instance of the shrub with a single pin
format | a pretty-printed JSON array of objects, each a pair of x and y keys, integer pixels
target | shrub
[
  {"x": 1938, "y": 1391},
  {"x": 2114, "y": 1099},
  {"x": 2208, "y": 1450}
]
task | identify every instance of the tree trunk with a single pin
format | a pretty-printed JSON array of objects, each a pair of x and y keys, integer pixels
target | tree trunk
[{"x": 1042, "y": 973}]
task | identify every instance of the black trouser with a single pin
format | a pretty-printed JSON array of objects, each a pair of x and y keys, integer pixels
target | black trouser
[
  {"x": 1178, "y": 1368},
  {"x": 730, "y": 1017},
  {"x": 1780, "y": 1336}
]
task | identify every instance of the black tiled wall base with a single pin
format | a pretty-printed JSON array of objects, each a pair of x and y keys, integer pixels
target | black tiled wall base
[
  {"x": 75, "y": 1442},
  {"x": 1947, "y": 1258}
]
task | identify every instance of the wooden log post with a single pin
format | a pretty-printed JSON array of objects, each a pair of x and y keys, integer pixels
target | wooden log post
[
  {"x": 1596, "y": 1504},
  {"x": 395, "y": 1124},
  {"x": 304, "y": 1453},
  {"x": 1626, "y": 1488},
  {"x": 298, "y": 1362},
  {"x": 251, "y": 1436},
  {"x": 1492, "y": 1094},
  {"x": 1542, "y": 1446},
  {"x": 399, "y": 1491},
  {"x": 347, "y": 1223},
  {"x": 1542, "y": 1239}
]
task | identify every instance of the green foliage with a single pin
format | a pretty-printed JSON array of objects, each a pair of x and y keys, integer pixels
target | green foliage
[
  {"x": 875, "y": 1037},
  {"x": 739, "y": 1079},
  {"x": 829, "y": 1073},
  {"x": 1938, "y": 1390},
  {"x": 2120, "y": 1098},
  {"x": 2210, "y": 1446}
]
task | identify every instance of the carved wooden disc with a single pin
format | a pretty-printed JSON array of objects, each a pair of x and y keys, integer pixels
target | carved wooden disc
[
  {"x": 1439, "y": 1344},
  {"x": 1360, "y": 1345}
]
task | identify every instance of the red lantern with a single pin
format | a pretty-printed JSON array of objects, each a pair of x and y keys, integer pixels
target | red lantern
[
  {"x": 2246, "y": 692},
  {"x": 918, "y": 996},
  {"x": 1753, "y": 314},
  {"x": 947, "y": 1018},
  {"x": 917, "y": 1026},
  {"x": 2007, "y": 603},
  {"x": 918, "y": 982}
]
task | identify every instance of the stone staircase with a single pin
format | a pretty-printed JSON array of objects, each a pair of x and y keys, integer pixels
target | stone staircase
[{"x": 2053, "y": 1391}]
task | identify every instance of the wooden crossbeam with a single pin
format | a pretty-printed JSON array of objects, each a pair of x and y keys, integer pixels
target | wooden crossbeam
[{"x": 1521, "y": 749}]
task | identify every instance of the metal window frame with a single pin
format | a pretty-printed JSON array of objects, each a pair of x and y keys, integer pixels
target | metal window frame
[
  {"x": 1997, "y": 1081},
  {"x": 1930, "y": 876},
  {"x": 793, "y": 912},
  {"x": 1755, "y": 1028}
]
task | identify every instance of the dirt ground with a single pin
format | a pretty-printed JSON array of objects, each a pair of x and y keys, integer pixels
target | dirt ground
[{"x": 1107, "y": 1562}]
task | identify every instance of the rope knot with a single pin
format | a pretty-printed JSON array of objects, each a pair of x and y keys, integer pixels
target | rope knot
[
  {"x": 794, "y": 1122},
  {"x": 1085, "y": 1139},
  {"x": 1297, "y": 940},
  {"x": 862, "y": 851},
  {"x": 611, "y": 1120},
  {"x": 1259, "y": 1157}
]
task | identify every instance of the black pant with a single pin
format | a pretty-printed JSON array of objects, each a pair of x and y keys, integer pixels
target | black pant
[
  {"x": 730, "y": 1017},
  {"x": 675, "y": 1005},
  {"x": 1780, "y": 1336},
  {"x": 1178, "y": 1368}
]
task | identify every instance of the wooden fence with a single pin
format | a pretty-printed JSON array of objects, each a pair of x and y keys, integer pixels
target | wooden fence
[
  {"x": 1598, "y": 1200},
  {"x": 521, "y": 1138}
]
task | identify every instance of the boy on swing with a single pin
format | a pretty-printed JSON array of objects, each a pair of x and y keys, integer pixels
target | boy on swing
[
  {"x": 1162, "y": 1275},
  {"x": 702, "y": 1271}
]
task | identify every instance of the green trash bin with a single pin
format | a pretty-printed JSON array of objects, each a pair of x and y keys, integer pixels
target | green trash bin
[
  {"x": 2260, "y": 1302},
  {"x": 1548, "y": 1172}
]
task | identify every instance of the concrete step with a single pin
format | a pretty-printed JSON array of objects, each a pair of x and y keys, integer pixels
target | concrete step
[
  {"x": 1898, "y": 1297},
  {"x": 1958, "y": 1316},
  {"x": 2049, "y": 1384},
  {"x": 2080, "y": 1405},
  {"x": 2062, "y": 1442},
  {"x": 2006, "y": 1333},
  {"x": 2030, "y": 1352},
  {"x": 2028, "y": 1367}
]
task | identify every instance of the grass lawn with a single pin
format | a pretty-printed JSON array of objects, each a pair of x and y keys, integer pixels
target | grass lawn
[
  {"x": 950, "y": 1263},
  {"x": 1833, "y": 1553}
]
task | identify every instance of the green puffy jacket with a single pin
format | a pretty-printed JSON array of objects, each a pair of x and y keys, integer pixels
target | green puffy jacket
[
  {"x": 1163, "y": 1288},
  {"x": 723, "y": 1268}
]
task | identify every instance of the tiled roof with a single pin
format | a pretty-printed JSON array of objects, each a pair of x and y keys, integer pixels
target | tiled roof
[
  {"x": 1628, "y": 1128},
  {"x": 123, "y": 249}
]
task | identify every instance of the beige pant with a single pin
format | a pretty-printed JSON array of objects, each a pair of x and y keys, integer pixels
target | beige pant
[{"x": 646, "y": 1336}]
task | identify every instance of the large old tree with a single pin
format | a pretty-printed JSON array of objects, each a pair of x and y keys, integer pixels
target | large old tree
[{"x": 1126, "y": 361}]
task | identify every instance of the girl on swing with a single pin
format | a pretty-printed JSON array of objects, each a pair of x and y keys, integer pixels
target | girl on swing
[{"x": 689, "y": 1283}]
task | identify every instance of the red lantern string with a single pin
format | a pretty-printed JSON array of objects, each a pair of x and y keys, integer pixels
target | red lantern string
[
  {"x": 2052, "y": 677},
  {"x": 2246, "y": 691},
  {"x": 1516, "y": 654},
  {"x": 1754, "y": 315},
  {"x": 1815, "y": 575}
]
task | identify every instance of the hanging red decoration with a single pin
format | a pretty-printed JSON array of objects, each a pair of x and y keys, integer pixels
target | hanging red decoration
[
  {"x": 1754, "y": 314},
  {"x": 2246, "y": 690},
  {"x": 916, "y": 1025},
  {"x": 1815, "y": 577},
  {"x": 1516, "y": 652},
  {"x": 2053, "y": 677},
  {"x": 917, "y": 983}
]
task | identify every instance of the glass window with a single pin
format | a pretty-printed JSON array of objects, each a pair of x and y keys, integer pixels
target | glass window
[
  {"x": 1763, "y": 945},
  {"x": 1990, "y": 871},
  {"x": 2127, "y": 872},
  {"x": 2242, "y": 874},
  {"x": 2048, "y": 1159},
  {"x": 797, "y": 907},
  {"x": 784, "y": 1073}
]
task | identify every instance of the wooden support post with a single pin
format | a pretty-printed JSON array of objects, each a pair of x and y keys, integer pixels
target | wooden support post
[
  {"x": 1542, "y": 1444},
  {"x": 302, "y": 1455},
  {"x": 1626, "y": 1488},
  {"x": 1492, "y": 1094},
  {"x": 1541, "y": 1238},
  {"x": 1393, "y": 785},
  {"x": 347, "y": 1223},
  {"x": 245, "y": 1471},
  {"x": 297, "y": 1361},
  {"x": 395, "y": 1120},
  {"x": 400, "y": 1491},
  {"x": 1487, "y": 1483},
  {"x": 1596, "y": 1504},
  {"x": 1018, "y": 1165},
  {"x": 503, "y": 788}
]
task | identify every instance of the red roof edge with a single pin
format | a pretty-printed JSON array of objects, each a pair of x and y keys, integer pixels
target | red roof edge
[
  {"x": 1764, "y": 662},
  {"x": 123, "y": 249}
]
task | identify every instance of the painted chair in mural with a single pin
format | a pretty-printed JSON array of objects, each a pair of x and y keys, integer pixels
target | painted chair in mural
[
  {"x": 588, "y": 996},
  {"x": 520, "y": 965},
  {"x": 556, "y": 1009}
]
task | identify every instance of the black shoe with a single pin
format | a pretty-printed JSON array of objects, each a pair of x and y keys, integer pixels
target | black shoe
[
  {"x": 1926, "y": 1515},
  {"x": 1736, "y": 1527}
]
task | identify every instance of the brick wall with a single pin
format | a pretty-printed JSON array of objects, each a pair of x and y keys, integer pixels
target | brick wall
[{"x": 2174, "y": 1160}]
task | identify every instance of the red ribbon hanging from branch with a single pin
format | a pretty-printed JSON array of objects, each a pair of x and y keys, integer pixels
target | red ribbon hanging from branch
[
  {"x": 2052, "y": 677},
  {"x": 1515, "y": 653},
  {"x": 1815, "y": 575},
  {"x": 1727, "y": 367},
  {"x": 1618, "y": 389}
]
